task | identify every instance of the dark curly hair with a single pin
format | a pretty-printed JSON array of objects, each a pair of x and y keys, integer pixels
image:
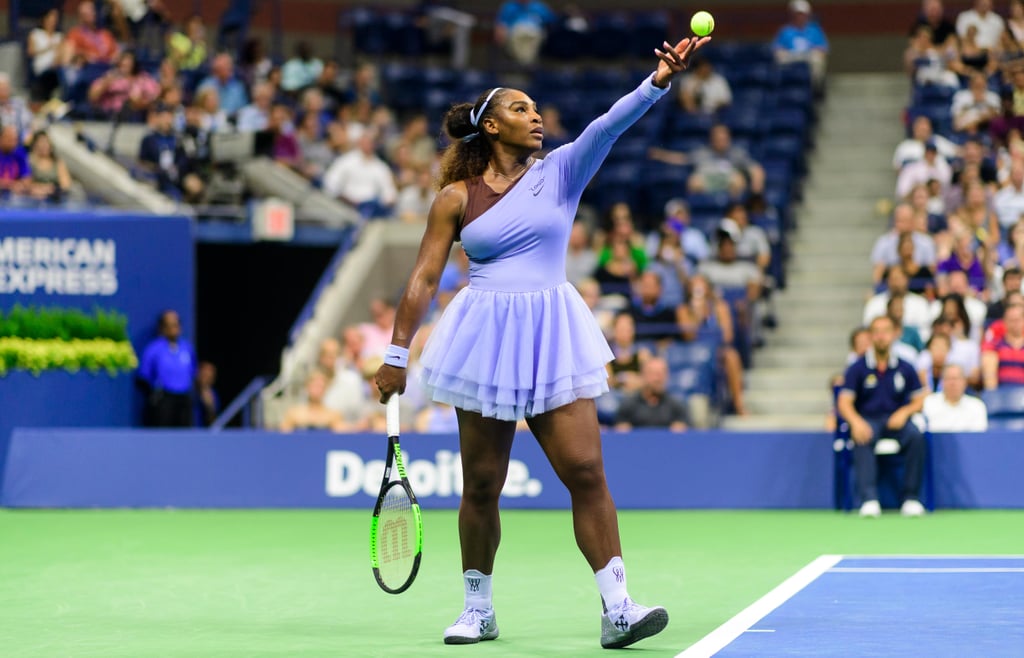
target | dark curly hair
[{"x": 466, "y": 159}]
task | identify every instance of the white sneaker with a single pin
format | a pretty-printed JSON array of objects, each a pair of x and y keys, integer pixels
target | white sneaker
[
  {"x": 630, "y": 622},
  {"x": 871, "y": 509},
  {"x": 912, "y": 507},
  {"x": 472, "y": 626}
]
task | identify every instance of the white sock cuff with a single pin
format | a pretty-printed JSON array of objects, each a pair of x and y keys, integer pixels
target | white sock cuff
[
  {"x": 478, "y": 589},
  {"x": 611, "y": 581}
]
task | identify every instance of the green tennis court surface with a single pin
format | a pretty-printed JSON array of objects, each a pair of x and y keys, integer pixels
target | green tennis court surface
[{"x": 298, "y": 583}]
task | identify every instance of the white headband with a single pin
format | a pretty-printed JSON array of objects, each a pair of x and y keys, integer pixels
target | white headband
[{"x": 474, "y": 117}]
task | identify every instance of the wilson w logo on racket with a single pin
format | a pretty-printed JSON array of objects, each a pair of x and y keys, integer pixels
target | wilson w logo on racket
[{"x": 396, "y": 528}]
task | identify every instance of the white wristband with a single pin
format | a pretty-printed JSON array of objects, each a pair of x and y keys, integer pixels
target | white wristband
[{"x": 396, "y": 356}]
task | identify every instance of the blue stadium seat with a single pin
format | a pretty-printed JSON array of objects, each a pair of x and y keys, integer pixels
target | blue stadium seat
[
  {"x": 786, "y": 121},
  {"x": 709, "y": 203},
  {"x": 743, "y": 121},
  {"x": 609, "y": 35},
  {"x": 648, "y": 31},
  {"x": 795, "y": 74},
  {"x": 785, "y": 147},
  {"x": 404, "y": 37},
  {"x": 608, "y": 407},
  {"x": 1005, "y": 402},
  {"x": 370, "y": 32},
  {"x": 694, "y": 354},
  {"x": 563, "y": 43}
]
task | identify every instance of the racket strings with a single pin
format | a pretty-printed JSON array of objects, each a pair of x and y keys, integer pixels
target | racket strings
[{"x": 396, "y": 537}]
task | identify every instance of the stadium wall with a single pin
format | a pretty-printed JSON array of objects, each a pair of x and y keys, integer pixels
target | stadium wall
[{"x": 646, "y": 469}]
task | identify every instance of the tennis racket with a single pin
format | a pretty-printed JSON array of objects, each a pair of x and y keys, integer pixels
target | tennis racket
[{"x": 396, "y": 529}]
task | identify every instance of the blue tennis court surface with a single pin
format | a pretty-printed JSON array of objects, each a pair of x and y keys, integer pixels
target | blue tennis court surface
[{"x": 936, "y": 606}]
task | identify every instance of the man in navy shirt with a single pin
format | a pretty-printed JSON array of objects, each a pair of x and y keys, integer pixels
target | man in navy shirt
[
  {"x": 168, "y": 370},
  {"x": 880, "y": 393}
]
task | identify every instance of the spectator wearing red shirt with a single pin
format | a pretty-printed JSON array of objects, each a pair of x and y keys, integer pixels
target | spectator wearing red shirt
[
  {"x": 1002, "y": 364},
  {"x": 997, "y": 329},
  {"x": 93, "y": 44}
]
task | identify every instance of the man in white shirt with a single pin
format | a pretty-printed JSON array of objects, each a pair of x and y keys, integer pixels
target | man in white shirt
[
  {"x": 361, "y": 177},
  {"x": 974, "y": 107},
  {"x": 1008, "y": 202},
  {"x": 704, "y": 91},
  {"x": 912, "y": 148},
  {"x": 931, "y": 167},
  {"x": 950, "y": 410},
  {"x": 990, "y": 24},
  {"x": 915, "y": 307}
]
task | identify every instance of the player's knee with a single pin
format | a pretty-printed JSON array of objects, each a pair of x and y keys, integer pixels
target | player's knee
[
  {"x": 481, "y": 490},
  {"x": 585, "y": 475}
]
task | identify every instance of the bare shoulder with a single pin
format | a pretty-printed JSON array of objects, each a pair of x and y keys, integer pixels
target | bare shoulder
[
  {"x": 453, "y": 195},
  {"x": 449, "y": 206}
]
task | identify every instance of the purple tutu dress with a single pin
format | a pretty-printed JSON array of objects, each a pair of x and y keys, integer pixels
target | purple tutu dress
[{"x": 519, "y": 340}]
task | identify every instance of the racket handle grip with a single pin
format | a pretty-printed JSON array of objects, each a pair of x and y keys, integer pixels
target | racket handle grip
[{"x": 391, "y": 414}]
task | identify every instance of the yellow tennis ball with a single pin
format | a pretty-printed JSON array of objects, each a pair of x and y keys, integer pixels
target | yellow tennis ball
[{"x": 702, "y": 23}]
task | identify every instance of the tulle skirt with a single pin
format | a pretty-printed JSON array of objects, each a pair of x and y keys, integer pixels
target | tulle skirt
[{"x": 513, "y": 355}]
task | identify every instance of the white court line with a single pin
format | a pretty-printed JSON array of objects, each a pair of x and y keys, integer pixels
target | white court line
[
  {"x": 927, "y": 570},
  {"x": 719, "y": 638},
  {"x": 912, "y": 556}
]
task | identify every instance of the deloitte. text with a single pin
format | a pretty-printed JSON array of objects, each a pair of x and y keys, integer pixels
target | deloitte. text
[{"x": 347, "y": 474}]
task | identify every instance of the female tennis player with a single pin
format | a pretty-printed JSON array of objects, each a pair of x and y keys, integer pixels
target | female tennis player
[{"x": 518, "y": 342}]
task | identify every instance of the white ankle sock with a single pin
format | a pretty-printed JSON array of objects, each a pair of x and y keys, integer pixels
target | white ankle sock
[
  {"x": 611, "y": 581},
  {"x": 478, "y": 590}
]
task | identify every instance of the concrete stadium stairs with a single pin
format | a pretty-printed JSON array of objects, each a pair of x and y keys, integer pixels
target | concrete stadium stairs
[{"x": 829, "y": 274}]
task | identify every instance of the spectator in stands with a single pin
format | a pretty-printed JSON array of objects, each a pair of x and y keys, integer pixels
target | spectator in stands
[
  {"x": 677, "y": 226},
  {"x": 669, "y": 262},
  {"x": 964, "y": 259},
  {"x": 364, "y": 86},
  {"x": 415, "y": 135},
  {"x": 972, "y": 57},
  {"x": 976, "y": 217},
  {"x": 933, "y": 16},
  {"x": 1011, "y": 281},
  {"x": 302, "y": 70},
  {"x": 362, "y": 179},
  {"x": 520, "y": 26},
  {"x": 952, "y": 309},
  {"x": 652, "y": 405},
  {"x": 752, "y": 244},
  {"x": 653, "y": 319},
  {"x": 86, "y": 41},
  {"x": 13, "y": 109},
  {"x": 1002, "y": 362},
  {"x": 327, "y": 84},
  {"x": 256, "y": 115},
  {"x": 44, "y": 47},
  {"x": 284, "y": 149},
  {"x": 167, "y": 370},
  {"x": 313, "y": 414},
  {"x": 728, "y": 273},
  {"x": 230, "y": 90},
  {"x": 162, "y": 154},
  {"x": 879, "y": 395},
  {"x": 125, "y": 90},
  {"x": 962, "y": 350},
  {"x": 206, "y": 113},
  {"x": 624, "y": 369},
  {"x": 916, "y": 312},
  {"x": 802, "y": 40},
  {"x": 1012, "y": 118},
  {"x": 927, "y": 63},
  {"x": 1008, "y": 202},
  {"x": 957, "y": 283},
  {"x": 912, "y": 148},
  {"x": 15, "y": 172},
  {"x": 905, "y": 335},
  {"x": 207, "y": 399},
  {"x": 604, "y": 308},
  {"x": 989, "y": 24},
  {"x": 860, "y": 343},
  {"x": 346, "y": 390},
  {"x": 920, "y": 278},
  {"x": 1011, "y": 251},
  {"x": 414, "y": 200},
  {"x": 187, "y": 48},
  {"x": 706, "y": 315},
  {"x": 253, "y": 64},
  {"x": 50, "y": 177},
  {"x": 885, "y": 252},
  {"x": 975, "y": 107},
  {"x": 555, "y": 132},
  {"x": 437, "y": 418},
  {"x": 723, "y": 167},
  {"x": 703, "y": 91},
  {"x": 951, "y": 410},
  {"x": 376, "y": 334},
  {"x": 972, "y": 154},
  {"x": 933, "y": 359},
  {"x": 932, "y": 167},
  {"x": 581, "y": 259}
]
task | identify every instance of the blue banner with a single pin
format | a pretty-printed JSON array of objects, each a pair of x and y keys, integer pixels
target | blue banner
[{"x": 198, "y": 469}]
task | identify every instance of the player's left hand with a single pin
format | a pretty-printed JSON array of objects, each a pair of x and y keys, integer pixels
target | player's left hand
[{"x": 674, "y": 60}]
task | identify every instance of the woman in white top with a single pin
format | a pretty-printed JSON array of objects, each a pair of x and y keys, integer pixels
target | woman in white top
[{"x": 43, "y": 47}]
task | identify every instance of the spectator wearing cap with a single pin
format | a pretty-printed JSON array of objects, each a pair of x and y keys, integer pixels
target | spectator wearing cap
[
  {"x": 951, "y": 410},
  {"x": 520, "y": 28},
  {"x": 704, "y": 91},
  {"x": 802, "y": 40},
  {"x": 990, "y": 25},
  {"x": 931, "y": 167},
  {"x": 1002, "y": 362},
  {"x": 752, "y": 244},
  {"x": 912, "y": 148}
]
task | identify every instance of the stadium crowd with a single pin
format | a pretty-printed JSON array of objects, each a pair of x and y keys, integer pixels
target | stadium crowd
[
  {"x": 679, "y": 271},
  {"x": 948, "y": 272}
]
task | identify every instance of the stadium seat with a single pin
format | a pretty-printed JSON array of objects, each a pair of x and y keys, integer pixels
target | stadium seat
[
  {"x": 563, "y": 43},
  {"x": 648, "y": 31},
  {"x": 404, "y": 37},
  {"x": 608, "y": 407},
  {"x": 370, "y": 33},
  {"x": 609, "y": 35},
  {"x": 1006, "y": 402}
]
